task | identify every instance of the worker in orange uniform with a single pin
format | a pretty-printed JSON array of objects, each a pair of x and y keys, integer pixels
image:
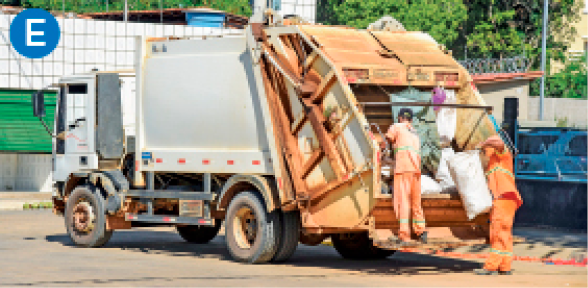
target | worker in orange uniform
[
  {"x": 498, "y": 163},
  {"x": 407, "y": 177}
]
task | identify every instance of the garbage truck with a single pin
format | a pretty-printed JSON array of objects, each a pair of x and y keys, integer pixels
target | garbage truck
[{"x": 271, "y": 131}]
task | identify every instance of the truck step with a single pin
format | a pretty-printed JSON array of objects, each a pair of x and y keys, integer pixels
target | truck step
[
  {"x": 431, "y": 244},
  {"x": 169, "y": 219}
]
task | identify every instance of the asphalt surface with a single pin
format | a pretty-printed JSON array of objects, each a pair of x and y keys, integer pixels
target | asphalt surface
[{"x": 35, "y": 251}]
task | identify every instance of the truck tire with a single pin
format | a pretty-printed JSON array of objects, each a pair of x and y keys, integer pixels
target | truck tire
[
  {"x": 290, "y": 235},
  {"x": 199, "y": 234},
  {"x": 85, "y": 218},
  {"x": 358, "y": 246},
  {"x": 252, "y": 234}
]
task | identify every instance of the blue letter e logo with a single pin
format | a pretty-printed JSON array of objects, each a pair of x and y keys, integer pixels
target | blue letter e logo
[{"x": 34, "y": 33}]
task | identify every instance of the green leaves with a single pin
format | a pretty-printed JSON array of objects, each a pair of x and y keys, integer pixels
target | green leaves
[
  {"x": 570, "y": 82},
  {"x": 442, "y": 19},
  {"x": 239, "y": 7}
]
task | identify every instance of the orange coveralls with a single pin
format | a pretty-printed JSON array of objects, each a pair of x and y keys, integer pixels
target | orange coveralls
[
  {"x": 407, "y": 179},
  {"x": 507, "y": 200}
]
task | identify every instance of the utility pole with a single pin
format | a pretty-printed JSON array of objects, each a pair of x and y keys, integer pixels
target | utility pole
[
  {"x": 126, "y": 11},
  {"x": 543, "y": 55}
]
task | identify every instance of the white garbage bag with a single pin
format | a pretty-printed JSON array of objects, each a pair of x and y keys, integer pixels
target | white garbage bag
[
  {"x": 443, "y": 175},
  {"x": 447, "y": 119},
  {"x": 467, "y": 172},
  {"x": 429, "y": 186}
]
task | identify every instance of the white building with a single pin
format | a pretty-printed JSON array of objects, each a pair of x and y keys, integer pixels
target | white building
[{"x": 25, "y": 147}]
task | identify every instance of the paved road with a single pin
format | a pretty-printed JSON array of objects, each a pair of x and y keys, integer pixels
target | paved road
[{"x": 35, "y": 251}]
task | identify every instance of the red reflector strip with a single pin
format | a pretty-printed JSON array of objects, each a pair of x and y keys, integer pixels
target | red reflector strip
[
  {"x": 280, "y": 183},
  {"x": 182, "y": 161},
  {"x": 203, "y": 221},
  {"x": 256, "y": 162},
  {"x": 158, "y": 160},
  {"x": 230, "y": 162},
  {"x": 137, "y": 165},
  {"x": 167, "y": 219},
  {"x": 205, "y": 162},
  {"x": 131, "y": 217}
]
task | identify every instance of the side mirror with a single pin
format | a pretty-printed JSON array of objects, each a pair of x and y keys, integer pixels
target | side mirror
[{"x": 38, "y": 104}]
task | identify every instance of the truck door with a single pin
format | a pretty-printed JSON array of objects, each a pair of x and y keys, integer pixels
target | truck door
[
  {"x": 74, "y": 150},
  {"x": 76, "y": 99}
]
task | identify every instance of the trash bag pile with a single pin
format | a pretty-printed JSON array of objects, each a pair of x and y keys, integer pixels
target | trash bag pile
[{"x": 444, "y": 170}]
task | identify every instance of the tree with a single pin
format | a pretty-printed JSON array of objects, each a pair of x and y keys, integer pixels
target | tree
[
  {"x": 570, "y": 82},
  {"x": 442, "y": 19},
  {"x": 239, "y": 7},
  {"x": 506, "y": 28}
]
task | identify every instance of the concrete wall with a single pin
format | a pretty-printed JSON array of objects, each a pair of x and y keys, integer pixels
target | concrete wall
[
  {"x": 575, "y": 110},
  {"x": 303, "y": 8},
  {"x": 25, "y": 172},
  {"x": 495, "y": 92},
  {"x": 84, "y": 45}
]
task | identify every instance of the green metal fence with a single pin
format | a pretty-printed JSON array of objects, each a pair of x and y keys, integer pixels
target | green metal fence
[{"x": 20, "y": 131}]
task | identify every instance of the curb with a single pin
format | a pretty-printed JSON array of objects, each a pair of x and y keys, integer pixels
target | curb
[
  {"x": 548, "y": 261},
  {"x": 19, "y": 205}
]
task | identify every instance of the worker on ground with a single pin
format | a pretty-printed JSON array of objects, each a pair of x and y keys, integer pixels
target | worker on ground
[
  {"x": 407, "y": 177},
  {"x": 498, "y": 164}
]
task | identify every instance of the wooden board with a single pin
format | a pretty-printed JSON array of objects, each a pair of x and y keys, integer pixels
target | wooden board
[{"x": 473, "y": 125}]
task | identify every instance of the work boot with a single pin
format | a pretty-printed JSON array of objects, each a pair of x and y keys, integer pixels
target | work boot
[
  {"x": 485, "y": 272},
  {"x": 423, "y": 237},
  {"x": 397, "y": 241},
  {"x": 505, "y": 272}
]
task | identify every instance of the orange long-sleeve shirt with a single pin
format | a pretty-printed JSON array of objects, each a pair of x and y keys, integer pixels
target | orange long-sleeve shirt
[
  {"x": 407, "y": 147},
  {"x": 500, "y": 175}
]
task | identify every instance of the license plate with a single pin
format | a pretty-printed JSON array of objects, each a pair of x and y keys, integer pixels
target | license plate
[{"x": 191, "y": 208}]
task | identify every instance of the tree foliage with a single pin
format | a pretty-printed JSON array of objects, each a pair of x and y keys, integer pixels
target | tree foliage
[
  {"x": 506, "y": 28},
  {"x": 239, "y": 7},
  {"x": 570, "y": 82},
  {"x": 442, "y": 19}
]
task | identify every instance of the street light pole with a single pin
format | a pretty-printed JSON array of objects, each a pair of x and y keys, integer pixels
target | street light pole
[
  {"x": 543, "y": 55},
  {"x": 126, "y": 12}
]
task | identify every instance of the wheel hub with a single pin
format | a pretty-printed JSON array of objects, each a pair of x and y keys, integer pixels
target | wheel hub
[
  {"x": 84, "y": 217},
  {"x": 245, "y": 229}
]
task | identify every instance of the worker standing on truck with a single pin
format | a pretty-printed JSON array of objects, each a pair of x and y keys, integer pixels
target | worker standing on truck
[
  {"x": 498, "y": 164},
  {"x": 407, "y": 177}
]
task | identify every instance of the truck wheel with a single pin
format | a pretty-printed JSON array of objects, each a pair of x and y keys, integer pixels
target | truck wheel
[
  {"x": 85, "y": 219},
  {"x": 252, "y": 234},
  {"x": 358, "y": 246},
  {"x": 199, "y": 234},
  {"x": 290, "y": 235}
]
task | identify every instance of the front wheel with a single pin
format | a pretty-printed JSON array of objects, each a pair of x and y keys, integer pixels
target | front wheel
[
  {"x": 358, "y": 246},
  {"x": 252, "y": 234},
  {"x": 85, "y": 218}
]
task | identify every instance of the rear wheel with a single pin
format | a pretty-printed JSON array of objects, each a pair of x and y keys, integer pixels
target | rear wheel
[
  {"x": 199, "y": 234},
  {"x": 358, "y": 246},
  {"x": 85, "y": 219},
  {"x": 290, "y": 235},
  {"x": 252, "y": 234}
]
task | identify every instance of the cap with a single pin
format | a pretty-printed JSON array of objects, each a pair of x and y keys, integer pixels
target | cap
[{"x": 406, "y": 113}]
